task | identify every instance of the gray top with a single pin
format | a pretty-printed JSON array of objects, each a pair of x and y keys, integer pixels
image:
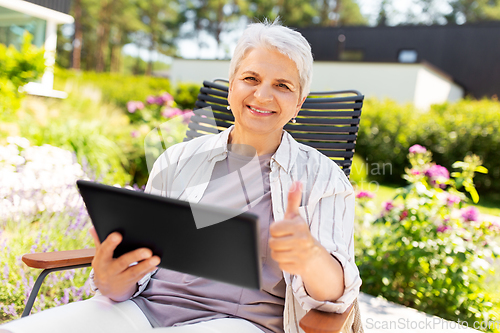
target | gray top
[{"x": 174, "y": 299}]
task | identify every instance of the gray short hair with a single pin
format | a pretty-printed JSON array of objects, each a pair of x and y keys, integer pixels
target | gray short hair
[{"x": 274, "y": 36}]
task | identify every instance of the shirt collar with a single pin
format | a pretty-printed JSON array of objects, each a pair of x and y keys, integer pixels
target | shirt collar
[
  {"x": 285, "y": 154},
  {"x": 218, "y": 143}
]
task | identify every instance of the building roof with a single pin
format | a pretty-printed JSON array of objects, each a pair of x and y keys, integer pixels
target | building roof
[
  {"x": 39, "y": 11},
  {"x": 62, "y": 6},
  {"x": 469, "y": 53}
]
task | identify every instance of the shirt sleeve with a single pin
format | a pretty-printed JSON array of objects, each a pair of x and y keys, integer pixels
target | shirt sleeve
[{"x": 332, "y": 224}]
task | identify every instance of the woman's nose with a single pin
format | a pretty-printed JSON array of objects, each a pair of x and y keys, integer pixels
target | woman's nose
[{"x": 263, "y": 93}]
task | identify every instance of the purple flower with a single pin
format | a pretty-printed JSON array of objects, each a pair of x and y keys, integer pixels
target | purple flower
[
  {"x": 470, "y": 214},
  {"x": 417, "y": 149},
  {"x": 65, "y": 298},
  {"x": 443, "y": 228},
  {"x": 437, "y": 173},
  {"x": 364, "y": 194},
  {"x": 171, "y": 112}
]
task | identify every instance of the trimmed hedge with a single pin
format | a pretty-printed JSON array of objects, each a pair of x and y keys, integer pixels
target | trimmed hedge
[{"x": 450, "y": 131}]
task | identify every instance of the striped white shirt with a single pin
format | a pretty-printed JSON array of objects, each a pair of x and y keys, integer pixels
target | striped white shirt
[{"x": 184, "y": 170}]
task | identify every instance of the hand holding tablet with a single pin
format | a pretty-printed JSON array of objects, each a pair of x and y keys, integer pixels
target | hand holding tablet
[
  {"x": 117, "y": 278},
  {"x": 227, "y": 251}
]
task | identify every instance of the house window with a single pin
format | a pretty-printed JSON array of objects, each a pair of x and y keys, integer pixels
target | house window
[
  {"x": 13, "y": 25},
  {"x": 408, "y": 56},
  {"x": 352, "y": 55}
]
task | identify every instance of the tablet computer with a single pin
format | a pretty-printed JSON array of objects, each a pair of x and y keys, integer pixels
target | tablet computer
[{"x": 227, "y": 251}]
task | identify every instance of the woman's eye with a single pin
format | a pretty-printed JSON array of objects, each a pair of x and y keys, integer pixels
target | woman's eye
[
  {"x": 282, "y": 85},
  {"x": 250, "y": 78}
]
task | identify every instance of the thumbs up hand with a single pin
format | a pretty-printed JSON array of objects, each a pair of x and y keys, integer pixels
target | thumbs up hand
[{"x": 291, "y": 243}]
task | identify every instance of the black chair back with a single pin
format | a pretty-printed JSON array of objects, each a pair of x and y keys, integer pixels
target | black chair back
[{"x": 328, "y": 121}]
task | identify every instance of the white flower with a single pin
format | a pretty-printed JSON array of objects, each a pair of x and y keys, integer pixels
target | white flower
[{"x": 36, "y": 179}]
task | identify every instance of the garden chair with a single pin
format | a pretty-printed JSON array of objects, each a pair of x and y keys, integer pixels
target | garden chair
[{"x": 328, "y": 121}]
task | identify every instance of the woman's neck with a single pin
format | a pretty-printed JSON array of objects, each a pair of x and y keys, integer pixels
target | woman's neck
[{"x": 263, "y": 143}]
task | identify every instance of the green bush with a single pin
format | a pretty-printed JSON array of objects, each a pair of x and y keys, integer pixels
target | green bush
[
  {"x": 17, "y": 67},
  {"x": 449, "y": 130},
  {"x": 115, "y": 88},
  {"x": 186, "y": 95},
  {"x": 428, "y": 250}
]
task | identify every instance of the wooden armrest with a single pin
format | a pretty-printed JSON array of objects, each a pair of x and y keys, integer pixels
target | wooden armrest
[
  {"x": 326, "y": 322},
  {"x": 46, "y": 260}
]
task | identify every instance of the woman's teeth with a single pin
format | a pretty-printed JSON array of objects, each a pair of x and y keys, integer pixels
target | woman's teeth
[{"x": 259, "y": 111}]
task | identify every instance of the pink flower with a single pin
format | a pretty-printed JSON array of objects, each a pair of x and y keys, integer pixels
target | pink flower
[
  {"x": 470, "y": 213},
  {"x": 187, "y": 115},
  {"x": 443, "y": 228},
  {"x": 415, "y": 172},
  {"x": 403, "y": 215},
  {"x": 437, "y": 173},
  {"x": 452, "y": 199},
  {"x": 364, "y": 194},
  {"x": 494, "y": 226},
  {"x": 388, "y": 206},
  {"x": 133, "y": 106},
  {"x": 171, "y": 112},
  {"x": 417, "y": 149},
  {"x": 134, "y": 134},
  {"x": 166, "y": 97},
  {"x": 151, "y": 100}
]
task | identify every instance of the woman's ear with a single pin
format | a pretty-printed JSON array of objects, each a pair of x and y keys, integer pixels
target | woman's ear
[{"x": 299, "y": 105}]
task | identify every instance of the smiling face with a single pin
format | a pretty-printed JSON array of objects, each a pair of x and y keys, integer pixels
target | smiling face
[{"x": 265, "y": 93}]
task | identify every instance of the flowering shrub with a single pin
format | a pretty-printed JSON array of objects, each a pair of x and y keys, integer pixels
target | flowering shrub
[
  {"x": 428, "y": 250},
  {"x": 40, "y": 210},
  {"x": 156, "y": 110},
  {"x": 36, "y": 179}
]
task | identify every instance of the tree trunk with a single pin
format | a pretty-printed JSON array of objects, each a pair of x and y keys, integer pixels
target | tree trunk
[
  {"x": 149, "y": 69},
  {"x": 114, "y": 52},
  {"x": 102, "y": 35},
  {"x": 78, "y": 37}
]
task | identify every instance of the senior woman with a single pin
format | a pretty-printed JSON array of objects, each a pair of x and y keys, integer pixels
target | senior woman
[{"x": 306, "y": 226}]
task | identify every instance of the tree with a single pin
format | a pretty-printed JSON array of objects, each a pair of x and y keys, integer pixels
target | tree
[
  {"x": 473, "y": 11},
  {"x": 213, "y": 17},
  {"x": 300, "y": 13},
  {"x": 161, "y": 22}
]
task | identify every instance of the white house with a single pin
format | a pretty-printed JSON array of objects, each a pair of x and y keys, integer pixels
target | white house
[{"x": 18, "y": 16}]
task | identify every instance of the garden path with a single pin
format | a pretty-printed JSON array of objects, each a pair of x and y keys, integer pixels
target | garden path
[{"x": 381, "y": 316}]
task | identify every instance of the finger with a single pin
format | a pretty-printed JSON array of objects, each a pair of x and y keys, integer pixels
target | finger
[
  {"x": 109, "y": 245},
  {"x": 294, "y": 198},
  {"x": 125, "y": 260},
  {"x": 93, "y": 233},
  {"x": 286, "y": 243},
  {"x": 288, "y": 227},
  {"x": 137, "y": 272}
]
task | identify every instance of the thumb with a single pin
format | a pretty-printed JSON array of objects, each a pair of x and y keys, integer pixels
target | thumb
[{"x": 294, "y": 198}]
